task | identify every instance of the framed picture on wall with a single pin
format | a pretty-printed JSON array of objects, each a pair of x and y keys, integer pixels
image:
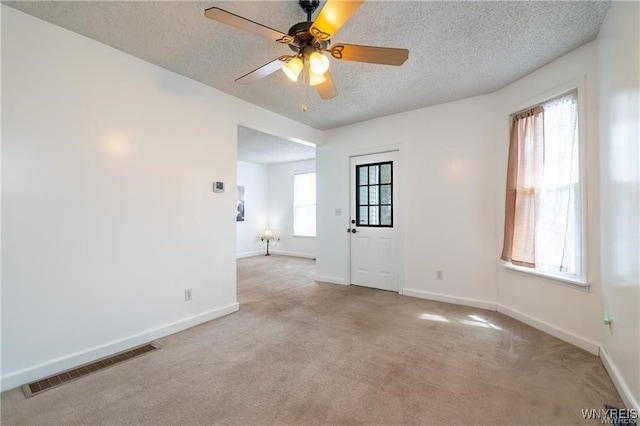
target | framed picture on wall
[{"x": 240, "y": 205}]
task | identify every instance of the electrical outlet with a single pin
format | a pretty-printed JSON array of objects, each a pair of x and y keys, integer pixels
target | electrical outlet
[
  {"x": 187, "y": 294},
  {"x": 438, "y": 275}
]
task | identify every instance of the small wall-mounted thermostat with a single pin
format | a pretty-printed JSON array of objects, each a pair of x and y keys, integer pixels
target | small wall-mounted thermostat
[{"x": 218, "y": 186}]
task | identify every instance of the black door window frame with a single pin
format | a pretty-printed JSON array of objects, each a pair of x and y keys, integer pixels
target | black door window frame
[{"x": 374, "y": 181}]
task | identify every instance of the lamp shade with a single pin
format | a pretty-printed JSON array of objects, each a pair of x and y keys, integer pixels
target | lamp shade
[
  {"x": 318, "y": 63},
  {"x": 293, "y": 67},
  {"x": 315, "y": 79},
  {"x": 268, "y": 235}
]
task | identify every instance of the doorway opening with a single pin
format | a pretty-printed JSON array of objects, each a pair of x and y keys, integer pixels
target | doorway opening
[{"x": 276, "y": 197}]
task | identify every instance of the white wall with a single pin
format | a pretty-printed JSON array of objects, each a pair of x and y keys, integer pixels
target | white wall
[
  {"x": 454, "y": 159},
  {"x": 448, "y": 214},
  {"x": 108, "y": 213},
  {"x": 255, "y": 179},
  {"x": 618, "y": 47},
  {"x": 281, "y": 209},
  {"x": 108, "y": 210},
  {"x": 569, "y": 313}
]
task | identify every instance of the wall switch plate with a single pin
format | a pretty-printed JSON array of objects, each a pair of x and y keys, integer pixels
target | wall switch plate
[
  {"x": 187, "y": 294},
  {"x": 438, "y": 275}
]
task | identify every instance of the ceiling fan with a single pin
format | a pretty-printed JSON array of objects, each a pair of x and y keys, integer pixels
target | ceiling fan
[{"x": 310, "y": 40}]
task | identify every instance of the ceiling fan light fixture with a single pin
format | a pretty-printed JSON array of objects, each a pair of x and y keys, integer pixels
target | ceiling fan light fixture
[
  {"x": 318, "y": 63},
  {"x": 293, "y": 67},
  {"x": 315, "y": 79},
  {"x": 310, "y": 41}
]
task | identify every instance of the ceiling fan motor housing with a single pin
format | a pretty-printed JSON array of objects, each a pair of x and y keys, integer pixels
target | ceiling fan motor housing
[{"x": 303, "y": 38}]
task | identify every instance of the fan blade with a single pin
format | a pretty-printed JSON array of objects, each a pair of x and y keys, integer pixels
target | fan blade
[
  {"x": 265, "y": 70},
  {"x": 327, "y": 90},
  {"x": 332, "y": 17},
  {"x": 371, "y": 54},
  {"x": 239, "y": 22}
]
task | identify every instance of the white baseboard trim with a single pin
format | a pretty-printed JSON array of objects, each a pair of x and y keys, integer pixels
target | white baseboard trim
[
  {"x": 330, "y": 280},
  {"x": 474, "y": 303},
  {"x": 36, "y": 372},
  {"x": 293, "y": 254},
  {"x": 576, "y": 340},
  {"x": 618, "y": 381},
  {"x": 250, "y": 254},
  {"x": 569, "y": 337}
]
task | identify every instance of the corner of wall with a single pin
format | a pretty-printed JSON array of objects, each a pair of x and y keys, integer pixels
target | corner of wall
[{"x": 618, "y": 380}]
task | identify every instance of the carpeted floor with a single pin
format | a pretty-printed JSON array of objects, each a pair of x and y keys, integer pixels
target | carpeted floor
[{"x": 305, "y": 353}]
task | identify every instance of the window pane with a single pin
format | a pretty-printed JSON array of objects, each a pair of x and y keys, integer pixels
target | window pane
[
  {"x": 364, "y": 195},
  {"x": 373, "y": 215},
  {"x": 385, "y": 215},
  {"x": 304, "y": 221},
  {"x": 557, "y": 236},
  {"x": 304, "y": 204},
  {"x": 373, "y": 174},
  {"x": 385, "y": 173},
  {"x": 373, "y": 195},
  {"x": 304, "y": 188},
  {"x": 385, "y": 194},
  {"x": 363, "y": 175},
  {"x": 363, "y": 218}
]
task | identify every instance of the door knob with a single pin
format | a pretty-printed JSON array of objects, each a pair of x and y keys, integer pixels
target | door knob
[
  {"x": 353, "y": 231},
  {"x": 353, "y": 221}
]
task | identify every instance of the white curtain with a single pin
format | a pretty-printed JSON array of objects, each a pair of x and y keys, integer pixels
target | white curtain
[
  {"x": 558, "y": 197},
  {"x": 304, "y": 204},
  {"x": 542, "y": 214}
]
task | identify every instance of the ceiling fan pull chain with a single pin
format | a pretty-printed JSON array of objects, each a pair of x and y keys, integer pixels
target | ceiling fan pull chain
[{"x": 304, "y": 91}]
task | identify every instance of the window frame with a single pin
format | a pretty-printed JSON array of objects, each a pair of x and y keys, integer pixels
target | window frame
[
  {"x": 379, "y": 184},
  {"x": 581, "y": 279},
  {"x": 294, "y": 205}
]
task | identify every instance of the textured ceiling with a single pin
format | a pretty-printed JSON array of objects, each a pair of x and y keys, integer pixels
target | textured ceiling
[
  {"x": 457, "y": 49},
  {"x": 261, "y": 148}
]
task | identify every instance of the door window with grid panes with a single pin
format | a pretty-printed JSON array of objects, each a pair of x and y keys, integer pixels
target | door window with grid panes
[{"x": 374, "y": 194}]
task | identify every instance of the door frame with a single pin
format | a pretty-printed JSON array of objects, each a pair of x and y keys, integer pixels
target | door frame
[{"x": 399, "y": 208}]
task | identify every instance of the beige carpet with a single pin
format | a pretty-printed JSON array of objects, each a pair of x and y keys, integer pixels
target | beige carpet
[{"x": 301, "y": 352}]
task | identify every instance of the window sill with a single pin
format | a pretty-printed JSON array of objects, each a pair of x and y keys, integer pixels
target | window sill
[
  {"x": 566, "y": 281},
  {"x": 304, "y": 236}
]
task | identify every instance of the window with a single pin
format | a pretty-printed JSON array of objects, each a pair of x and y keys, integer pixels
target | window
[
  {"x": 304, "y": 205},
  {"x": 374, "y": 194},
  {"x": 543, "y": 220}
]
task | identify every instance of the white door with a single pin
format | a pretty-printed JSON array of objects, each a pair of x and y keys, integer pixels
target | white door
[{"x": 373, "y": 222}]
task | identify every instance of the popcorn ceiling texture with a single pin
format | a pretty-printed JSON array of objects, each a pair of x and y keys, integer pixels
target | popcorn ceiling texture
[
  {"x": 261, "y": 148},
  {"x": 457, "y": 49}
]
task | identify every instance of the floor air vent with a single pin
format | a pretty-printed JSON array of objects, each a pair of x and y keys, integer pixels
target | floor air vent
[{"x": 51, "y": 382}]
